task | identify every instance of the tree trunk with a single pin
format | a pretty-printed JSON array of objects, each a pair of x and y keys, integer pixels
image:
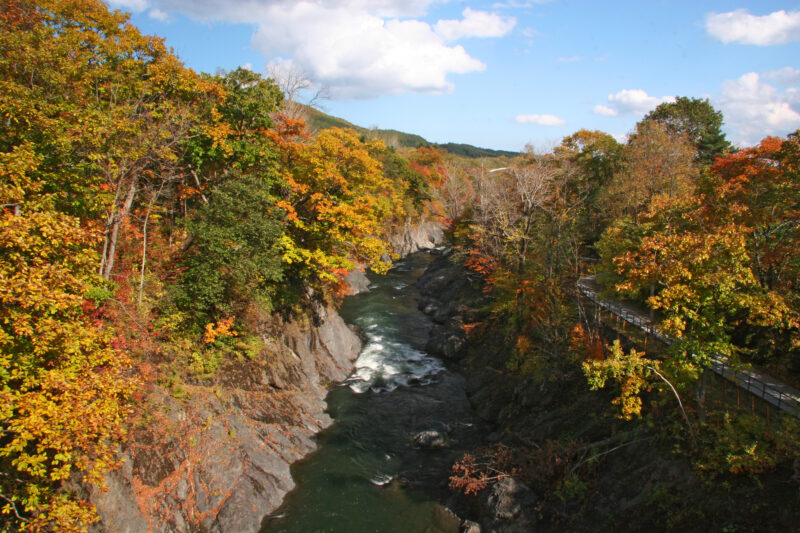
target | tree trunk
[
  {"x": 680, "y": 404},
  {"x": 144, "y": 243},
  {"x": 113, "y": 236},
  {"x": 701, "y": 395}
]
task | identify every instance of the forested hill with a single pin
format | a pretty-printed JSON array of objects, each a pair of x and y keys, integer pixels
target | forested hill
[
  {"x": 152, "y": 220},
  {"x": 317, "y": 120},
  {"x": 159, "y": 228}
]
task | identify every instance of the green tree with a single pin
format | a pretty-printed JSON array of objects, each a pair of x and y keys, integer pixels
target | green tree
[
  {"x": 697, "y": 119},
  {"x": 245, "y": 111},
  {"x": 234, "y": 261},
  {"x": 598, "y": 157},
  {"x": 396, "y": 168}
]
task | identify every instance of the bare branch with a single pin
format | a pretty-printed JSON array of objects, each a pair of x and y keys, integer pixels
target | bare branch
[
  {"x": 680, "y": 404},
  {"x": 13, "y": 506}
]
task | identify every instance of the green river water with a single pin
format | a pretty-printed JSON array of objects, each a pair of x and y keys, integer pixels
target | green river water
[{"x": 367, "y": 475}]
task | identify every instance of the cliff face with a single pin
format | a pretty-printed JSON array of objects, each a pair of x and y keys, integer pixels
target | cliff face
[
  {"x": 411, "y": 238},
  {"x": 215, "y": 455}
]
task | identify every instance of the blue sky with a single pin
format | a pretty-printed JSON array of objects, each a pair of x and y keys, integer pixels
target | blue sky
[{"x": 508, "y": 73}]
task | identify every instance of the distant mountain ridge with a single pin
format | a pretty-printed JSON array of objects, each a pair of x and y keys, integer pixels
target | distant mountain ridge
[{"x": 317, "y": 120}]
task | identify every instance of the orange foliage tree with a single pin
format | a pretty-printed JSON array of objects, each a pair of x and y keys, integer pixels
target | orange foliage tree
[{"x": 723, "y": 261}]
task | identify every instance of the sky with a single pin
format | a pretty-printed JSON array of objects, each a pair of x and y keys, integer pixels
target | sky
[{"x": 509, "y": 73}]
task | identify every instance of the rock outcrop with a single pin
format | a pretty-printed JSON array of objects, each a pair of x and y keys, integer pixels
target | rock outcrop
[
  {"x": 508, "y": 507},
  {"x": 412, "y": 238},
  {"x": 451, "y": 301},
  {"x": 403, "y": 240},
  {"x": 215, "y": 455}
]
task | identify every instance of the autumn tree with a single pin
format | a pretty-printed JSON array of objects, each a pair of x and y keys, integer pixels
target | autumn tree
[
  {"x": 656, "y": 162},
  {"x": 142, "y": 204},
  {"x": 94, "y": 114},
  {"x": 717, "y": 258},
  {"x": 758, "y": 187},
  {"x": 597, "y": 157},
  {"x": 525, "y": 243},
  {"x": 507, "y": 205},
  {"x": 337, "y": 201},
  {"x": 758, "y": 190},
  {"x": 455, "y": 190},
  {"x": 62, "y": 384},
  {"x": 106, "y": 107},
  {"x": 633, "y": 374}
]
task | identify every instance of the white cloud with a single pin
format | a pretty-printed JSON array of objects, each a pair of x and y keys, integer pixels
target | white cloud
[
  {"x": 630, "y": 101},
  {"x": 360, "y": 55},
  {"x": 249, "y": 10},
  {"x": 754, "y": 109},
  {"x": 136, "y": 6},
  {"x": 157, "y": 14},
  {"x": 475, "y": 24},
  {"x": 519, "y": 3},
  {"x": 541, "y": 120},
  {"x": 636, "y": 101},
  {"x": 740, "y": 26},
  {"x": 785, "y": 76},
  {"x": 572, "y": 59},
  {"x": 357, "y": 48},
  {"x": 604, "y": 111}
]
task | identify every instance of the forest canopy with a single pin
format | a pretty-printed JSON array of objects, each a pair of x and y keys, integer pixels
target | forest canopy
[
  {"x": 150, "y": 214},
  {"x": 145, "y": 206}
]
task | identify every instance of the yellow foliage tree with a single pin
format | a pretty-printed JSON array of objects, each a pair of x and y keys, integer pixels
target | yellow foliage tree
[
  {"x": 62, "y": 388},
  {"x": 337, "y": 201}
]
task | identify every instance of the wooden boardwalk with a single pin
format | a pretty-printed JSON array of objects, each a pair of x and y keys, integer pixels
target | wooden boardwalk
[{"x": 762, "y": 386}]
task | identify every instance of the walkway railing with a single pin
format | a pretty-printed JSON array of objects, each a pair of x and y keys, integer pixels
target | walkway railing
[{"x": 766, "y": 388}]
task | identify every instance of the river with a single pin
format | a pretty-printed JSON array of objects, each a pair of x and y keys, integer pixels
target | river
[{"x": 367, "y": 474}]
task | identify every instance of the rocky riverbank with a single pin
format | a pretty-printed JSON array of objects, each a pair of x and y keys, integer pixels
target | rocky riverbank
[
  {"x": 575, "y": 465},
  {"x": 214, "y": 454}
]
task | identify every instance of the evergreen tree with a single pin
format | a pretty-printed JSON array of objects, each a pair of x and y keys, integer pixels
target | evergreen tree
[{"x": 699, "y": 121}]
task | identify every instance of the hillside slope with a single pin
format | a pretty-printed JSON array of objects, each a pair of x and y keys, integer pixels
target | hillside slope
[{"x": 317, "y": 120}]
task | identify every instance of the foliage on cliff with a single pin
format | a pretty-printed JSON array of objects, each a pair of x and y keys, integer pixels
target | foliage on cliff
[
  {"x": 673, "y": 221},
  {"x": 150, "y": 213}
]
